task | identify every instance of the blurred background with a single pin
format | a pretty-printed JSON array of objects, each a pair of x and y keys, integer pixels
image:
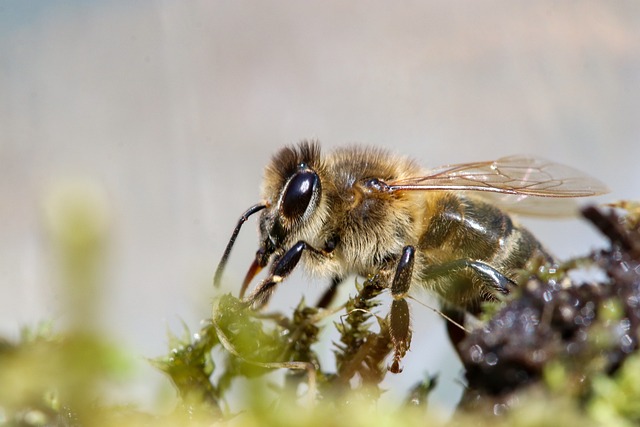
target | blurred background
[{"x": 162, "y": 114}]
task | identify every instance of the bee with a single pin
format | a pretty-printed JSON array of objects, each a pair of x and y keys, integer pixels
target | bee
[{"x": 368, "y": 212}]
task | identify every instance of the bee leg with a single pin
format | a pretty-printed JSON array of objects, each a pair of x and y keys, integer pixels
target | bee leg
[
  {"x": 492, "y": 279},
  {"x": 495, "y": 280},
  {"x": 330, "y": 293},
  {"x": 281, "y": 268},
  {"x": 399, "y": 318}
]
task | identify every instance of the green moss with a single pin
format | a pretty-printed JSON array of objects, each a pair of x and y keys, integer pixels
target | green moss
[{"x": 615, "y": 400}]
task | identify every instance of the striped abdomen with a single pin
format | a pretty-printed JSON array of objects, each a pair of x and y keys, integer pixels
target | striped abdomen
[{"x": 460, "y": 230}]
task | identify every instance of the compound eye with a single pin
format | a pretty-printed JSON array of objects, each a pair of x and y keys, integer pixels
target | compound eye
[{"x": 298, "y": 194}]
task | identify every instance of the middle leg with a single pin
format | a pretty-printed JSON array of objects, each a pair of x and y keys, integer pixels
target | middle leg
[{"x": 399, "y": 316}]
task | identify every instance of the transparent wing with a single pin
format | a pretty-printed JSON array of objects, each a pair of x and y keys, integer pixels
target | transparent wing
[
  {"x": 552, "y": 207},
  {"x": 516, "y": 175},
  {"x": 517, "y": 183}
]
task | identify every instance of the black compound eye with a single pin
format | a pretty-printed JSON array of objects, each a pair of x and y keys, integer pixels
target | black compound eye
[{"x": 298, "y": 193}]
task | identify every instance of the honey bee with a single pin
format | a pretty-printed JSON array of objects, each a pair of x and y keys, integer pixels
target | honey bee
[{"x": 367, "y": 212}]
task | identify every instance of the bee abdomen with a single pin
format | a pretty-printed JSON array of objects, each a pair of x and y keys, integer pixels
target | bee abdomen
[{"x": 465, "y": 228}]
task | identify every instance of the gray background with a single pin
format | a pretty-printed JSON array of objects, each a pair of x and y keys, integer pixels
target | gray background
[{"x": 173, "y": 108}]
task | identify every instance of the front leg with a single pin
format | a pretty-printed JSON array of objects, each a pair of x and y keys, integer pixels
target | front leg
[
  {"x": 399, "y": 316},
  {"x": 281, "y": 268}
]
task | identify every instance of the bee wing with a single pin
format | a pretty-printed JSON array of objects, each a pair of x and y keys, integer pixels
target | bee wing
[
  {"x": 515, "y": 175},
  {"x": 513, "y": 181},
  {"x": 551, "y": 207}
]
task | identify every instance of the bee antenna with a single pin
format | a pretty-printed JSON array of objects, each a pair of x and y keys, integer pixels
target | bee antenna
[{"x": 223, "y": 262}]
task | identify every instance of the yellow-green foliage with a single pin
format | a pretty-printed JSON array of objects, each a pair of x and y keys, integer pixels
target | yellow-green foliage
[
  {"x": 58, "y": 379},
  {"x": 616, "y": 400}
]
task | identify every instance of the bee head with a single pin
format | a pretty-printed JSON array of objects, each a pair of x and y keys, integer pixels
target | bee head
[{"x": 292, "y": 191}]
